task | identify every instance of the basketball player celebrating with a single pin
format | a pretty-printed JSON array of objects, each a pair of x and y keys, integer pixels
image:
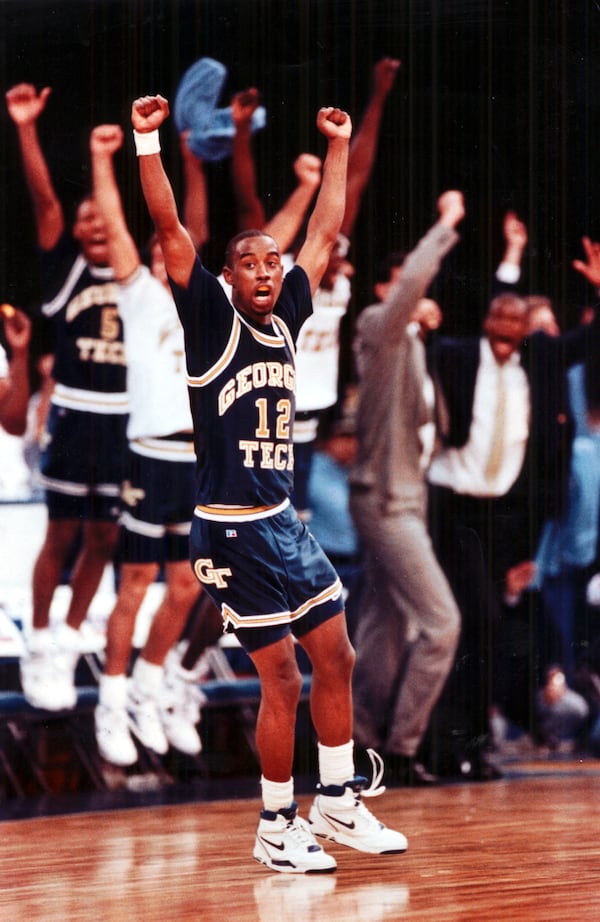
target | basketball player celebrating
[{"x": 270, "y": 579}]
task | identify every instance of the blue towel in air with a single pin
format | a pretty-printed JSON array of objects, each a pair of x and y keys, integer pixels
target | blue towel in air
[{"x": 195, "y": 110}]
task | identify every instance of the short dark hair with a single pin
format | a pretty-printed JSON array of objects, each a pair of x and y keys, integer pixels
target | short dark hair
[{"x": 231, "y": 246}]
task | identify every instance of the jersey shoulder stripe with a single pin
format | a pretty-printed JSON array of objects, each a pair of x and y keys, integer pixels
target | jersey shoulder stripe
[
  {"x": 50, "y": 308},
  {"x": 223, "y": 361},
  {"x": 278, "y": 322},
  {"x": 80, "y": 265},
  {"x": 266, "y": 339}
]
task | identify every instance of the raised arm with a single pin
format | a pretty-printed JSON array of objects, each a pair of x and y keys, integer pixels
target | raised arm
[
  {"x": 421, "y": 266},
  {"x": 25, "y": 105},
  {"x": 285, "y": 225},
  {"x": 250, "y": 211},
  {"x": 15, "y": 390},
  {"x": 105, "y": 141},
  {"x": 590, "y": 266},
  {"x": 147, "y": 115},
  {"x": 515, "y": 237},
  {"x": 195, "y": 201},
  {"x": 325, "y": 221},
  {"x": 508, "y": 272},
  {"x": 364, "y": 143}
]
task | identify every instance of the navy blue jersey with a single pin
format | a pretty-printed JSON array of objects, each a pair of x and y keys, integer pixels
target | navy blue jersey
[
  {"x": 89, "y": 355},
  {"x": 241, "y": 378}
]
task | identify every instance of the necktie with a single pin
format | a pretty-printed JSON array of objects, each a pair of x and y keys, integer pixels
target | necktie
[{"x": 497, "y": 446}]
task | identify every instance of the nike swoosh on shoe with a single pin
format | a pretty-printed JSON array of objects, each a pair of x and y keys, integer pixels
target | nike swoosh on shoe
[
  {"x": 278, "y": 845},
  {"x": 335, "y": 819}
]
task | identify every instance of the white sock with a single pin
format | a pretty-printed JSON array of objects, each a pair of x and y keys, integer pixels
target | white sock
[
  {"x": 39, "y": 639},
  {"x": 113, "y": 691},
  {"x": 336, "y": 763},
  {"x": 277, "y": 795},
  {"x": 148, "y": 677}
]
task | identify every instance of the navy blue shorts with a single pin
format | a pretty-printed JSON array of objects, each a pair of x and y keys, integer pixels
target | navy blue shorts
[
  {"x": 158, "y": 501},
  {"x": 83, "y": 463},
  {"x": 269, "y": 577}
]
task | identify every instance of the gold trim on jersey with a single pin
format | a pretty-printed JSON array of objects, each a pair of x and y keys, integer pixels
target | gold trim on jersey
[
  {"x": 230, "y": 617},
  {"x": 99, "y": 273},
  {"x": 163, "y": 449},
  {"x": 222, "y": 513},
  {"x": 266, "y": 339},
  {"x": 77, "y": 398},
  {"x": 223, "y": 362},
  {"x": 150, "y": 530},
  {"x": 278, "y": 322},
  {"x": 70, "y": 488}
]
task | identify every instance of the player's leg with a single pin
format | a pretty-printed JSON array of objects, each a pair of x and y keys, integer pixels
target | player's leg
[
  {"x": 283, "y": 840},
  {"x": 112, "y": 721},
  {"x": 338, "y": 811}
]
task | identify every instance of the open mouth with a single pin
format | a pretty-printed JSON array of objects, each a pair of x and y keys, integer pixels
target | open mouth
[{"x": 263, "y": 292}]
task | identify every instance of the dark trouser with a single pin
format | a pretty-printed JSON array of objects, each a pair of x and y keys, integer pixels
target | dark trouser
[{"x": 476, "y": 541}]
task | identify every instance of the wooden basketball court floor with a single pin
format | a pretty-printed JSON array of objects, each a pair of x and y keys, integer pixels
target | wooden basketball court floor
[{"x": 526, "y": 847}]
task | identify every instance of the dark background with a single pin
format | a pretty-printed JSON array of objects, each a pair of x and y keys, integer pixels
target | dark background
[{"x": 499, "y": 99}]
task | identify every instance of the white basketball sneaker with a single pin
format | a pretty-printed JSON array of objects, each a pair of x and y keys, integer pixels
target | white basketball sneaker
[
  {"x": 144, "y": 719},
  {"x": 285, "y": 843},
  {"x": 45, "y": 682},
  {"x": 339, "y": 814},
  {"x": 180, "y": 707},
  {"x": 113, "y": 737}
]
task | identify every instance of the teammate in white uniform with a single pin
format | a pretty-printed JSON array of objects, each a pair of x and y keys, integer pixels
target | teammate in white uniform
[{"x": 158, "y": 495}]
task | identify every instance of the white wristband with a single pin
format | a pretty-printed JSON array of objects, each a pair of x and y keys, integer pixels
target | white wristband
[{"x": 146, "y": 142}]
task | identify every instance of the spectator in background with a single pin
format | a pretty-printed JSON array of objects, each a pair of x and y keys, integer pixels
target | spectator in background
[
  {"x": 85, "y": 447},
  {"x": 561, "y": 713},
  {"x": 501, "y": 472},
  {"x": 329, "y": 495},
  {"x": 408, "y": 626}
]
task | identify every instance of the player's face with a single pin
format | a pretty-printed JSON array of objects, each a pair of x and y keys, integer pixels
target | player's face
[
  {"x": 89, "y": 229},
  {"x": 255, "y": 277}
]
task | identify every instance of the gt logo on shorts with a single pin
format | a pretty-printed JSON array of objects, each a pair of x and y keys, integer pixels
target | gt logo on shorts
[{"x": 206, "y": 572}]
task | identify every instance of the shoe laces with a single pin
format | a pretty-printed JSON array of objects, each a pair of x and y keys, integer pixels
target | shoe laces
[
  {"x": 375, "y": 788},
  {"x": 300, "y": 832}
]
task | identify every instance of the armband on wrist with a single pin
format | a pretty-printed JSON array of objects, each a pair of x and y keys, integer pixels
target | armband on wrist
[{"x": 146, "y": 142}]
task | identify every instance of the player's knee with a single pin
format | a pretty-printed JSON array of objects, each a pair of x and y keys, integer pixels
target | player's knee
[
  {"x": 282, "y": 684},
  {"x": 135, "y": 580},
  {"x": 346, "y": 660},
  {"x": 101, "y": 540}
]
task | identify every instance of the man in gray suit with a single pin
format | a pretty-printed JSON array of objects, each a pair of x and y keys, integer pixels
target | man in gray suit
[{"x": 409, "y": 623}]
